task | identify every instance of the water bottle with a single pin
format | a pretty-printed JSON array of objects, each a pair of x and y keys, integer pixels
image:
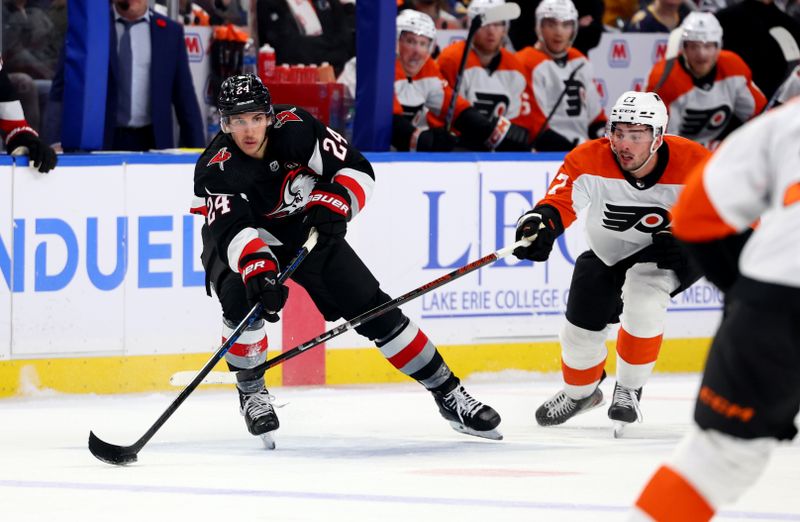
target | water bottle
[
  {"x": 249, "y": 58},
  {"x": 266, "y": 63}
]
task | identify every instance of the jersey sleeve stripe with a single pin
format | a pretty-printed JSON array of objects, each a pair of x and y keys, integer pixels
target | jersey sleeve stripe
[
  {"x": 360, "y": 184},
  {"x": 198, "y": 206},
  {"x": 243, "y": 243},
  {"x": 12, "y": 110}
]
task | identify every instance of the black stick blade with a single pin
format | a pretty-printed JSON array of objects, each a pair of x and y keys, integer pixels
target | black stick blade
[{"x": 110, "y": 453}]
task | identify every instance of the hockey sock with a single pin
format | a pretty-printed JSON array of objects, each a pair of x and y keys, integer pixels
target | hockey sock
[
  {"x": 248, "y": 351},
  {"x": 583, "y": 357},
  {"x": 408, "y": 349},
  {"x": 636, "y": 358},
  {"x": 670, "y": 497}
]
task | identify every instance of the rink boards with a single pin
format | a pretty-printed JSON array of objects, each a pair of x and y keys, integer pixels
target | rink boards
[{"x": 101, "y": 287}]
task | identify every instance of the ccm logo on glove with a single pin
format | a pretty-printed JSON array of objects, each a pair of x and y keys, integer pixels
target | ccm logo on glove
[{"x": 331, "y": 201}]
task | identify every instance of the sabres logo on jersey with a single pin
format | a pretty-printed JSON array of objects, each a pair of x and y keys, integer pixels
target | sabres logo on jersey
[
  {"x": 644, "y": 219},
  {"x": 286, "y": 116},
  {"x": 220, "y": 158},
  {"x": 297, "y": 187}
]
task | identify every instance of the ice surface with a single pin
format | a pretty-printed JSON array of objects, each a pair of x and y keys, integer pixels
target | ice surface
[{"x": 352, "y": 453}]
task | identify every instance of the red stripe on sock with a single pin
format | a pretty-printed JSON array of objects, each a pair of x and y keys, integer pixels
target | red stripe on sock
[
  {"x": 638, "y": 350},
  {"x": 413, "y": 349},
  {"x": 248, "y": 350},
  {"x": 668, "y": 497},
  {"x": 582, "y": 377}
]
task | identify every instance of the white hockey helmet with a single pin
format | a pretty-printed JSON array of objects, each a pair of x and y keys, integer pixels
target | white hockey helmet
[
  {"x": 416, "y": 22},
  {"x": 642, "y": 108},
  {"x": 478, "y": 7},
  {"x": 561, "y": 10},
  {"x": 701, "y": 27}
]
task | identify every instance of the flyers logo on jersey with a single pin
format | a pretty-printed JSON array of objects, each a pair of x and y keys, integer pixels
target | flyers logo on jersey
[
  {"x": 220, "y": 157},
  {"x": 697, "y": 120},
  {"x": 286, "y": 116},
  {"x": 644, "y": 219}
]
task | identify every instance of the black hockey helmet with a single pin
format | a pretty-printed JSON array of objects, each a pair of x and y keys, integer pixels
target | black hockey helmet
[{"x": 244, "y": 93}]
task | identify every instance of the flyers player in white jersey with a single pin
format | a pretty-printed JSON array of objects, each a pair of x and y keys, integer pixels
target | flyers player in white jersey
[
  {"x": 493, "y": 79},
  {"x": 420, "y": 89},
  {"x": 562, "y": 80},
  {"x": 750, "y": 392},
  {"x": 627, "y": 182},
  {"x": 710, "y": 91}
]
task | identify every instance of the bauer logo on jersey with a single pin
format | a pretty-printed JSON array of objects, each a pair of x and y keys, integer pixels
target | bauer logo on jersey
[
  {"x": 297, "y": 185},
  {"x": 644, "y": 219},
  {"x": 619, "y": 54},
  {"x": 220, "y": 157},
  {"x": 287, "y": 116},
  {"x": 697, "y": 120}
]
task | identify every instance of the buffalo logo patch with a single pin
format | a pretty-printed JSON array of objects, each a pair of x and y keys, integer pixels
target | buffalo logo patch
[{"x": 220, "y": 157}]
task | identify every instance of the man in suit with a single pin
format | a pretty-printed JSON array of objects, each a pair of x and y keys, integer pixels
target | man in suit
[{"x": 148, "y": 76}]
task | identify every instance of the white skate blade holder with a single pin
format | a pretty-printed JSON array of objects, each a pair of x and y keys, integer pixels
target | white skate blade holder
[
  {"x": 491, "y": 434},
  {"x": 268, "y": 440}
]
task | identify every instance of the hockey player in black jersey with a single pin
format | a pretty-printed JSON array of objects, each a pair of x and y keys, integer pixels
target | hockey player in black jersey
[{"x": 271, "y": 174}]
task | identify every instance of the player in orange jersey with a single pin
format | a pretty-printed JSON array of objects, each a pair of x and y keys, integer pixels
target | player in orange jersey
[
  {"x": 493, "y": 79},
  {"x": 750, "y": 393},
  {"x": 711, "y": 91},
  {"x": 420, "y": 89},
  {"x": 562, "y": 80},
  {"x": 627, "y": 182}
]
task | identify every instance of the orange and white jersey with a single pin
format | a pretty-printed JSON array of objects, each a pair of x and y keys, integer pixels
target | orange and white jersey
[
  {"x": 700, "y": 110},
  {"x": 623, "y": 212},
  {"x": 580, "y": 106},
  {"x": 427, "y": 91},
  {"x": 754, "y": 173},
  {"x": 499, "y": 90}
]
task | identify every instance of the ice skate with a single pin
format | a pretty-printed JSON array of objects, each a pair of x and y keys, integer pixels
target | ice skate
[
  {"x": 259, "y": 415},
  {"x": 560, "y": 407},
  {"x": 468, "y": 415},
  {"x": 624, "y": 408}
]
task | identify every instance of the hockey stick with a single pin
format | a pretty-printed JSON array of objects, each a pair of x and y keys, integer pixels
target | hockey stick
[
  {"x": 671, "y": 55},
  {"x": 791, "y": 53},
  {"x": 244, "y": 375},
  {"x": 120, "y": 455},
  {"x": 558, "y": 102},
  {"x": 498, "y": 13}
]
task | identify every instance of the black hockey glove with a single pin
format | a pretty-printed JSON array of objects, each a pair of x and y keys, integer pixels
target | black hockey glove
[
  {"x": 260, "y": 274},
  {"x": 328, "y": 209},
  {"x": 516, "y": 139},
  {"x": 668, "y": 252},
  {"x": 436, "y": 140},
  {"x": 551, "y": 141},
  {"x": 507, "y": 136},
  {"x": 543, "y": 221},
  {"x": 43, "y": 157}
]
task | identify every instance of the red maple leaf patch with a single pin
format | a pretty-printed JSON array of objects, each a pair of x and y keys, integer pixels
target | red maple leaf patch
[{"x": 220, "y": 157}]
